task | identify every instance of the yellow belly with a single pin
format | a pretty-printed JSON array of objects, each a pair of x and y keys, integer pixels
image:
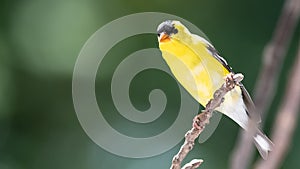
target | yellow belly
[{"x": 197, "y": 71}]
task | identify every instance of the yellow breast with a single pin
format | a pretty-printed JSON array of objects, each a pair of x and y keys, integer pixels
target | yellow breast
[{"x": 194, "y": 67}]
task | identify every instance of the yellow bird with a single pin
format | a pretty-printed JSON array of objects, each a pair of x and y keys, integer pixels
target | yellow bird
[{"x": 198, "y": 67}]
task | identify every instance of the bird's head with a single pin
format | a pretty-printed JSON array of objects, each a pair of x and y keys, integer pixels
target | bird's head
[{"x": 169, "y": 30}]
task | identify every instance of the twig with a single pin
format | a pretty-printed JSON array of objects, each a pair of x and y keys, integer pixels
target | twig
[
  {"x": 273, "y": 56},
  {"x": 201, "y": 120},
  {"x": 285, "y": 121},
  {"x": 193, "y": 164}
]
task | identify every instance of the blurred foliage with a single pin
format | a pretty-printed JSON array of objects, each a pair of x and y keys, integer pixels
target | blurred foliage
[{"x": 40, "y": 41}]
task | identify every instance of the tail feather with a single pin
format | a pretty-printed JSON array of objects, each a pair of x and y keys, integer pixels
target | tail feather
[{"x": 263, "y": 144}]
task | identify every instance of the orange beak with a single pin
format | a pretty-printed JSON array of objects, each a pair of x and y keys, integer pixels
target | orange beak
[{"x": 164, "y": 37}]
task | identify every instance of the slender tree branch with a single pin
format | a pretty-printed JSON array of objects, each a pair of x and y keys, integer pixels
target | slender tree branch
[
  {"x": 201, "y": 120},
  {"x": 273, "y": 55},
  {"x": 285, "y": 121},
  {"x": 266, "y": 85}
]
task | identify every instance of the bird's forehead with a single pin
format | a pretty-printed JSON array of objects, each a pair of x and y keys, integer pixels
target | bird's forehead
[{"x": 167, "y": 27}]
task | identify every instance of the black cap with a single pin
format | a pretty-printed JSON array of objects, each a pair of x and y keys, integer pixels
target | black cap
[{"x": 167, "y": 27}]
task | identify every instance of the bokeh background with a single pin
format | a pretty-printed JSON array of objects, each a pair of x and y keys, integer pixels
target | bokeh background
[{"x": 40, "y": 41}]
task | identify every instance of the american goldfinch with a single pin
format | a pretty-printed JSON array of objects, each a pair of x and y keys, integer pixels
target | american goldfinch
[{"x": 199, "y": 68}]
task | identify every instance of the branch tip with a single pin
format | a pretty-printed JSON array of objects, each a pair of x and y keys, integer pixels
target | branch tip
[{"x": 195, "y": 163}]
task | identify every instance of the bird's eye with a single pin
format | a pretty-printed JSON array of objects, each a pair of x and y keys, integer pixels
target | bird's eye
[{"x": 158, "y": 34}]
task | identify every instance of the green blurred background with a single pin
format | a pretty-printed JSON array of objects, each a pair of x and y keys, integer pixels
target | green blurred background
[{"x": 40, "y": 41}]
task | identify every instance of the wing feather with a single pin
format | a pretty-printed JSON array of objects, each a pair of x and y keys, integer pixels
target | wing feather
[{"x": 251, "y": 110}]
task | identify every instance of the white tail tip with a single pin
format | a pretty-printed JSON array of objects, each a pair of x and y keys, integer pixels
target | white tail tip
[{"x": 263, "y": 144}]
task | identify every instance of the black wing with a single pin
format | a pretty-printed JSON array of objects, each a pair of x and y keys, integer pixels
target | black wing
[
  {"x": 216, "y": 55},
  {"x": 251, "y": 110}
]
